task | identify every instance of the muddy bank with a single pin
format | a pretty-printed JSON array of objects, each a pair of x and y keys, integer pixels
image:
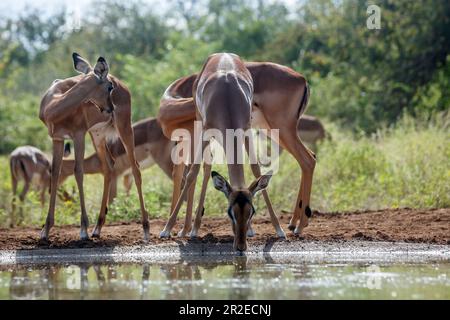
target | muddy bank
[
  {"x": 281, "y": 251},
  {"x": 430, "y": 226}
]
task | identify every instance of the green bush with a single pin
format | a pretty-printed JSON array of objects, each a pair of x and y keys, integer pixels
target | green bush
[
  {"x": 20, "y": 124},
  {"x": 402, "y": 166}
]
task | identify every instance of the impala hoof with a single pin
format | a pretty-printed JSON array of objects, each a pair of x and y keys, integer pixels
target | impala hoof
[
  {"x": 43, "y": 241},
  {"x": 250, "y": 233},
  {"x": 164, "y": 234},
  {"x": 193, "y": 234},
  {"x": 84, "y": 236},
  {"x": 43, "y": 236},
  {"x": 183, "y": 233},
  {"x": 281, "y": 234},
  {"x": 291, "y": 227},
  {"x": 299, "y": 229},
  {"x": 95, "y": 235}
]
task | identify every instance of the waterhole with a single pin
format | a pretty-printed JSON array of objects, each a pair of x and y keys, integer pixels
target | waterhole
[{"x": 231, "y": 278}]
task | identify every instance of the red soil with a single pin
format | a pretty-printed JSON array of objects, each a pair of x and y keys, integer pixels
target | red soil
[{"x": 409, "y": 225}]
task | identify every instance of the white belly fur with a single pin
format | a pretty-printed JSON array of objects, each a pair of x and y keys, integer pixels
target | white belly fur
[
  {"x": 103, "y": 130},
  {"x": 144, "y": 158}
]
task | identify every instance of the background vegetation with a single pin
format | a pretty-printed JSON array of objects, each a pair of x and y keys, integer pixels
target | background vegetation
[{"x": 383, "y": 94}]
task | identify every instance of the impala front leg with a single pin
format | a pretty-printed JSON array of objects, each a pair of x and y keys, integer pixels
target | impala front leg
[
  {"x": 79, "y": 175},
  {"x": 177, "y": 177},
  {"x": 107, "y": 173},
  {"x": 127, "y": 137},
  {"x": 188, "y": 219},
  {"x": 190, "y": 179},
  {"x": 58, "y": 150},
  {"x": 201, "y": 202}
]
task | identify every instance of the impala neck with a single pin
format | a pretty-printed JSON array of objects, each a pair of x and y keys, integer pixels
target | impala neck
[
  {"x": 78, "y": 93},
  {"x": 91, "y": 165}
]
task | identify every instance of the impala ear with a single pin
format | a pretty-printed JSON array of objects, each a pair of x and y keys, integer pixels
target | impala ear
[
  {"x": 221, "y": 184},
  {"x": 80, "y": 64},
  {"x": 261, "y": 183},
  {"x": 101, "y": 69}
]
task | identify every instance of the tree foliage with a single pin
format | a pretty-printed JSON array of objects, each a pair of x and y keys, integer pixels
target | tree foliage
[{"x": 361, "y": 79}]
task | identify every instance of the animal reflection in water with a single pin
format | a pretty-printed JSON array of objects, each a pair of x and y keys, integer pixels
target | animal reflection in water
[
  {"x": 73, "y": 282},
  {"x": 228, "y": 278}
]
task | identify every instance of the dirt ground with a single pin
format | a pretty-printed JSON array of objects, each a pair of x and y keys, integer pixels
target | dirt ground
[{"x": 408, "y": 225}]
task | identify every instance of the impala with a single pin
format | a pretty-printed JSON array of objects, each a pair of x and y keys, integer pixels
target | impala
[
  {"x": 223, "y": 94},
  {"x": 280, "y": 97},
  {"x": 31, "y": 165},
  {"x": 151, "y": 146},
  {"x": 311, "y": 130},
  {"x": 100, "y": 104}
]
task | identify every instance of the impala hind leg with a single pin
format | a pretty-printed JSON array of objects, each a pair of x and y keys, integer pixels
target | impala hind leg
[
  {"x": 26, "y": 188},
  {"x": 201, "y": 202},
  {"x": 14, "y": 199},
  {"x": 307, "y": 162},
  {"x": 58, "y": 150},
  {"x": 295, "y": 213},
  {"x": 79, "y": 147},
  {"x": 127, "y": 137},
  {"x": 22, "y": 196},
  {"x": 249, "y": 146}
]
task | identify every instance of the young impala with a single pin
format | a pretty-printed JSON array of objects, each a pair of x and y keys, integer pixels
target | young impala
[
  {"x": 31, "y": 165},
  {"x": 100, "y": 104}
]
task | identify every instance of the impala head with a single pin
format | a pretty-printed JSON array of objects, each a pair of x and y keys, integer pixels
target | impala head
[
  {"x": 97, "y": 80},
  {"x": 240, "y": 205}
]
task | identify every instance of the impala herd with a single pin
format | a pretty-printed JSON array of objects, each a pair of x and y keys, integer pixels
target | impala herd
[{"x": 227, "y": 94}]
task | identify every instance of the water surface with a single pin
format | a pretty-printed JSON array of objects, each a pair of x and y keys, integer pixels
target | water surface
[{"x": 235, "y": 278}]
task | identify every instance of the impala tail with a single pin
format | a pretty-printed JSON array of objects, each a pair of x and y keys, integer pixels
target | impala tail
[{"x": 303, "y": 103}]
